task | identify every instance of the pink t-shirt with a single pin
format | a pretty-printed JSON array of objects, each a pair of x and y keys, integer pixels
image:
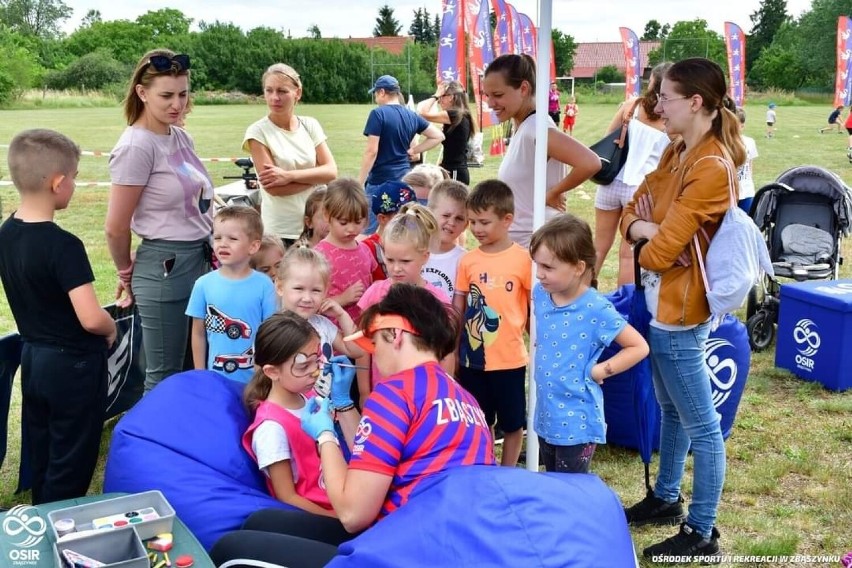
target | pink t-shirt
[
  {"x": 348, "y": 266},
  {"x": 176, "y": 203},
  {"x": 375, "y": 293}
]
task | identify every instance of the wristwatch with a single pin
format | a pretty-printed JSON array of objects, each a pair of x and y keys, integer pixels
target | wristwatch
[{"x": 327, "y": 436}]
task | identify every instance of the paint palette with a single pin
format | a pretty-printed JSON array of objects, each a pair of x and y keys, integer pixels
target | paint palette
[{"x": 125, "y": 519}]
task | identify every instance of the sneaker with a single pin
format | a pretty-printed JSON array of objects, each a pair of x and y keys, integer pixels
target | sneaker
[
  {"x": 654, "y": 511},
  {"x": 686, "y": 546}
]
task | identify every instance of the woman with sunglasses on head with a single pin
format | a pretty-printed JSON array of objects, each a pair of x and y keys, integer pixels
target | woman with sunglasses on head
[
  {"x": 647, "y": 138},
  {"x": 289, "y": 152},
  {"x": 449, "y": 106},
  {"x": 161, "y": 192},
  {"x": 687, "y": 195},
  {"x": 416, "y": 423}
]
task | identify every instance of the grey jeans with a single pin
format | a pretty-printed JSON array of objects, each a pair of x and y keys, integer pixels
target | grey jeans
[{"x": 163, "y": 276}]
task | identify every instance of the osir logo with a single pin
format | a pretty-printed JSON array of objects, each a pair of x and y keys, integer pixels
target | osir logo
[
  {"x": 23, "y": 521},
  {"x": 807, "y": 337},
  {"x": 722, "y": 368}
]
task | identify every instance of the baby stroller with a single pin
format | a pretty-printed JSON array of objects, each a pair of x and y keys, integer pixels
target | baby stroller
[{"x": 803, "y": 216}]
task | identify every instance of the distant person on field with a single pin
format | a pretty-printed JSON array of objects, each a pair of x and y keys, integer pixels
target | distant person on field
[
  {"x": 162, "y": 193},
  {"x": 571, "y": 112},
  {"x": 290, "y": 154},
  {"x": 553, "y": 102},
  {"x": 389, "y": 130},
  {"x": 833, "y": 120},
  {"x": 745, "y": 173},
  {"x": 449, "y": 107},
  {"x": 48, "y": 281},
  {"x": 228, "y": 305},
  {"x": 848, "y": 126},
  {"x": 770, "y": 120}
]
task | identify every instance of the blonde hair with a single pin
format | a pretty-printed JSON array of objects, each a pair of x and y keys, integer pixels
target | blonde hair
[
  {"x": 266, "y": 243},
  {"x": 414, "y": 224},
  {"x": 144, "y": 75},
  {"x": 345, "y": 199},
  {"x": 302, "y": 253},
  {"x": 449, "y": 189},
  {"x": 425, "y": 175},
  {"x": 285, "y": 71},
  {"x": 37, "y": 155}
]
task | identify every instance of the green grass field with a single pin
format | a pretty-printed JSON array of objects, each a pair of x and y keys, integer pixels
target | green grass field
[{"x": 789, "y": 481}]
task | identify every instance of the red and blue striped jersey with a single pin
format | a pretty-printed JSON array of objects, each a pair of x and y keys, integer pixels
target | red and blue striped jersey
[{"x": 418, "y": 423}]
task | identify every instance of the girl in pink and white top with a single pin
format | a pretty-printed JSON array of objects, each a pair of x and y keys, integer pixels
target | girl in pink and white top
[
  {"x": 161, "y": 192},
  {"x": 405, "y": 242},
  {"x": 289, "y": 360}
]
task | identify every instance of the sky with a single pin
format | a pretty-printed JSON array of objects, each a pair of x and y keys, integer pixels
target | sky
[{"x": 585, "y": 20}]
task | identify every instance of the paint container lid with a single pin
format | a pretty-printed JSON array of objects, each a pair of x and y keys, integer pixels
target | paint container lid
[
  {"x": 184, "y": 561},
  {"x": 64, "y": 526}
]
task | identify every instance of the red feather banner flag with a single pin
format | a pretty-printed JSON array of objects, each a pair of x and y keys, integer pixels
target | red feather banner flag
[
  {"x": 503, "y": 40},
  {"x": 633, "y": 63},
  {"x": 735, "y": 42},
  {"x": 843, "y": 80},
  {"x": 480, "y": 55}
]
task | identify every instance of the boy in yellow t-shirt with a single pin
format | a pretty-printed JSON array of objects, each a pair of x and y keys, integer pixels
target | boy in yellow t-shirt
[{"x": 493, "y": 292}]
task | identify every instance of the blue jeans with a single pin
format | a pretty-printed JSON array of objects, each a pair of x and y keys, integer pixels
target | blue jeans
[
  {"x": 372, "y": 221},
  {"x": 682, "y": 387}
]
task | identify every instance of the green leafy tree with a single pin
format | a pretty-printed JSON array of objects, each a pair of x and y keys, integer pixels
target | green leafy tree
[
  {"x": 19, "y": 64},
  {"x": 124, "y": 40},
  {"x": 690, "y": 39},
  {"x": 90, "y": 18},
  {"x": 314, "y": 32},
  {"x": 564, "y": 49},
  {"x": 94, "y": 70},
  {"x": 652, "y": 30},
  {"x": 40, "y": 18},
  {"x": 610, "y": 74},
  {"x": 780, "y": 64},
  {"x": 766, "y": 21},
  {"x": 166, "y": 22},
  {"x": 417, "y": 29},
  {"x": 386, "y": 24}
]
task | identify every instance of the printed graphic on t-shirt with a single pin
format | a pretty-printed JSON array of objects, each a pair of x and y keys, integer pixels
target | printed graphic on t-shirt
[
  {"x": 232, "y": 362},
  {"x": 217, "y": 321},
  {"x": 197, "y": 189},
  {"x": 481, "y": 328}
]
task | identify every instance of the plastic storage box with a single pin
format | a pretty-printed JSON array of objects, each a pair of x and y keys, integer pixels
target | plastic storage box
[
  {"x": 815, "y": 332},
  {"x": 149, "y": 513},
  {"x": 118, "y": 548}
]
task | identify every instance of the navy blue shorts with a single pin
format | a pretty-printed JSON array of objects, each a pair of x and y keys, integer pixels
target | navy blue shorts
[{"x": 501, "y": 395}]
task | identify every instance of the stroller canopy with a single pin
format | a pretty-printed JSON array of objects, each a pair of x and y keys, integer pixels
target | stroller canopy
[{"x": 806, "y": 179}]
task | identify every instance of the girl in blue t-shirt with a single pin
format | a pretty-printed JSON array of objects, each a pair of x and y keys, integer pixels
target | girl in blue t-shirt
[{"x": 573, "y": 324}]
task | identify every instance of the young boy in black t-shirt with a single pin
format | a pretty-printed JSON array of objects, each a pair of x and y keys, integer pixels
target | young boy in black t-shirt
[{"x": 48, "y": 281}]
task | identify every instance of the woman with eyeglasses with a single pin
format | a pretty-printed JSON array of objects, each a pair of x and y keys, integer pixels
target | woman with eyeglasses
[
  {"x": 161, "y": 192},
  {"x": 647, "y": 138},
  {"x": 290, "y": 154},
  {"x": 686, "y": 196},
  {"x": 415, "y": 425},
  {"x": 449, "y": 107}
]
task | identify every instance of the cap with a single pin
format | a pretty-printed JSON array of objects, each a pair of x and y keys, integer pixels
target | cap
[
  {"x": 771, "y": 105},
  {"x": 381, "y": 321},
  {"x": 386, "y": 82},
  {"x": 390, "y": 196}
]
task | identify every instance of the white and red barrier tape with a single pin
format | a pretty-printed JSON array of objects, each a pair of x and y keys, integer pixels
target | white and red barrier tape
[{"x": 98, "y": 154}]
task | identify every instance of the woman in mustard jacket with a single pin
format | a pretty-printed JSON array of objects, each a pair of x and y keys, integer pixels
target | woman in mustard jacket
[{"x": 687, "y": 192}]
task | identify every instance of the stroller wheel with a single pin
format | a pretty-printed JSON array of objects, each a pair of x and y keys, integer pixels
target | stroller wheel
[{"x": 761, "y": 330}]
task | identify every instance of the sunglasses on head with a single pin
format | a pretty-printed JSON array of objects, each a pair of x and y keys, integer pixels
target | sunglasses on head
[{"x": 165, "y": 63}]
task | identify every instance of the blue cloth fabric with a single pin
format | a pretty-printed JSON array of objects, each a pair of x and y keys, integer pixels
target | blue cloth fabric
[
  {"x": 495, "y": 516},
  {"x": 569, "y": 341},
  {"x": 232, "y": 311},
  {"x": 183, "y": 438},
  {"x": 689, "y": 418},
  {"x": 396, "y": 126}
]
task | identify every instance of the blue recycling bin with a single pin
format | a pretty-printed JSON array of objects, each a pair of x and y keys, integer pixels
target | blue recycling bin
[
  {"x": 728, "y": 358},
  {"x": 815, "y": 332}
]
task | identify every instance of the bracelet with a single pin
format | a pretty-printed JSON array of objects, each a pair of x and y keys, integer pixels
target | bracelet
[
  {"x": 347, "y": 408},
  {"x": 327, "y": 436}
]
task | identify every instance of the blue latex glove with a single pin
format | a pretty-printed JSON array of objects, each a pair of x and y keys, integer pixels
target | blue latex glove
[
  {"x": 341, "y": 381},
  {"x": 316, "y": 417}
]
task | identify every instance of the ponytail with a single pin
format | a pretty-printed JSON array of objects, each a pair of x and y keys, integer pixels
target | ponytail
[{"x": 726, "y": 127}]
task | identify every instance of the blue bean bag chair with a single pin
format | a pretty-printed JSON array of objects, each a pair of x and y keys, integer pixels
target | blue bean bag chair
[
  {"x": 183, "y": 438},
  {"x": 482, "y": 516}
]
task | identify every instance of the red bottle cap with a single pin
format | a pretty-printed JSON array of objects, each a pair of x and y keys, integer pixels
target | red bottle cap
[{"x": 184, "y": 561}]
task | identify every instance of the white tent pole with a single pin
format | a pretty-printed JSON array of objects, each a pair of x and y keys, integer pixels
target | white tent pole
[{"x": 542, "y": 81}]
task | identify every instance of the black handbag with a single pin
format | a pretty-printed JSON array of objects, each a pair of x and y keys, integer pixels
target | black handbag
[{"x": 612, "y": 150}]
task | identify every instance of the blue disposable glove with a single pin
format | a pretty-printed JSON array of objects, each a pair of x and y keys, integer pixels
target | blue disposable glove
[
  {"x": 341, "y": 381},
  {"x": 316, "y": 418}
]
